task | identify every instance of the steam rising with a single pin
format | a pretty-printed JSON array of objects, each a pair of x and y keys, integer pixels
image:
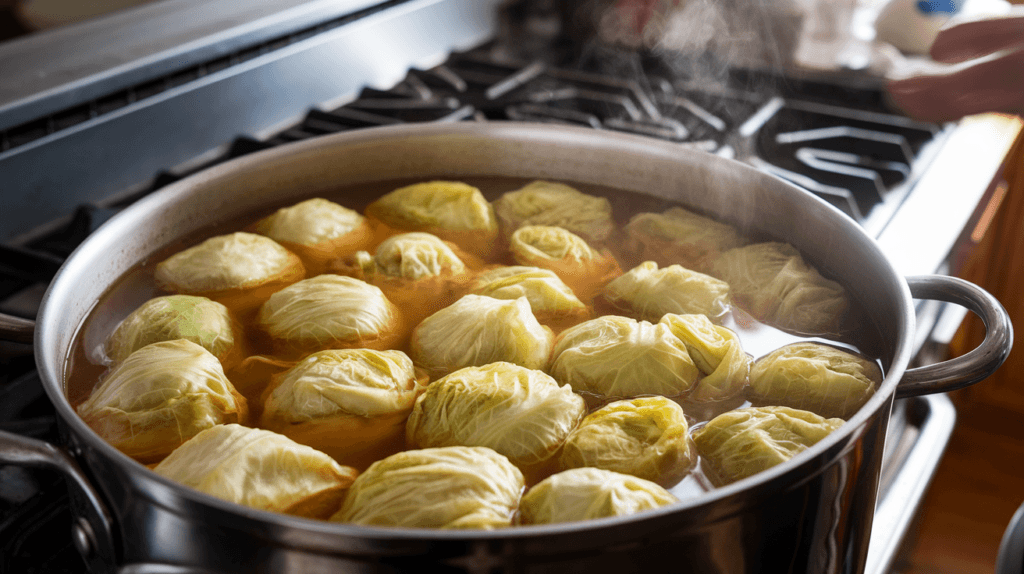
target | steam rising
[{"x": 698, "y": 39}]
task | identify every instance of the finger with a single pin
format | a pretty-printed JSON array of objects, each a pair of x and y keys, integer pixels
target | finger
[
  {"x": 993, "y": 84},
  {"x": 967, "y": 40}
]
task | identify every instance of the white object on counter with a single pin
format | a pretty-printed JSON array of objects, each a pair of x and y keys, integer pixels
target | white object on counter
[{"x": 911, "y": 25}]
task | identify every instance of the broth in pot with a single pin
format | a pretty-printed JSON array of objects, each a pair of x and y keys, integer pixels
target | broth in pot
[{"x": 528, "y": 332}]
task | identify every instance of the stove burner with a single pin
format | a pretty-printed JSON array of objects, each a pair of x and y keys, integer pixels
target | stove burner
[{"x": 858, "y": 159}]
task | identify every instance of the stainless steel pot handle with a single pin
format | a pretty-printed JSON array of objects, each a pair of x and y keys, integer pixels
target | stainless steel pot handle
[
  {"x": 155, "y": 568},
  {"x": 16, "y": 329},
  {"x": 92, "y": 532},
  {"x": 977, "y": 364}
]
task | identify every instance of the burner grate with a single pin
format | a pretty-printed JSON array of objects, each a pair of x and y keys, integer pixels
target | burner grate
[{"x": 857, "y": 159}]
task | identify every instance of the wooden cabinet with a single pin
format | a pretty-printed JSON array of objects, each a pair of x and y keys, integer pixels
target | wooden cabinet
[{"x": 995, "y": 261}]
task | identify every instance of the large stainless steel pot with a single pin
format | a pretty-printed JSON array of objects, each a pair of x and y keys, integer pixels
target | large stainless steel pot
[{"x": 812, "y": 515}]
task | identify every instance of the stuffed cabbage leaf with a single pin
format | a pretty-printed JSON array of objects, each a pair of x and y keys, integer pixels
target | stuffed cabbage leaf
[
  {"x": 259, "y": 469},
  {"x": 521, "y": 413},
  {"x": 679, "y": 236},
  {"x": 160, "y": 396},
  {"x": 478, "y": 330},
  {"x": 716, "y": 351},
  {"x": 743, "y": 442},
  {"x": 587, "y": 494},
  {"x": 814, "y": 377},
  {"x": 646, "y": 437},
  {"x": 198, "y": 319},
  {"x": 618, "y": 357},
  {"x": 556, "y": 205},
  {"x": 647, "y": 293},
  {"x": 455, "y": 487},
  {"x": 329, "y": 312},
  {"x": 774, "y": 284}
]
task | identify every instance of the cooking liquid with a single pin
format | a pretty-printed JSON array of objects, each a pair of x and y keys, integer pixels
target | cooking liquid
[{"x": 87, "y": 363}]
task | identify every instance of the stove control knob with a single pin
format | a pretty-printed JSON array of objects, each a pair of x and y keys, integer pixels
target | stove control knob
[{"x": 83, "y": 537}]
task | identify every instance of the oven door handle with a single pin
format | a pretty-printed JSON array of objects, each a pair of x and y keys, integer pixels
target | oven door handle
[
  {"x": 977, "y": 364},
  {"x": 16, "y": 330},
  {"x": 93, "y": 530}
]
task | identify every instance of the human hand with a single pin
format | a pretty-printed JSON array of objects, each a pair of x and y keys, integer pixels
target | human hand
[{"x": 986, "y": 75}]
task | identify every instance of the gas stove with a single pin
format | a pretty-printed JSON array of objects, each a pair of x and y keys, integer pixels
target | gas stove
[{"x": 84, "y": 136}]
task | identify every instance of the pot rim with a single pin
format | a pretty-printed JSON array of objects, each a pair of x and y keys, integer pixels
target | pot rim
[{"x": 761, "y": 484}]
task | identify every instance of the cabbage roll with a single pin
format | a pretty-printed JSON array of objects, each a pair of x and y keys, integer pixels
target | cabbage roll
[
  {"x": 349, "y": 403},
  {"x": 617, "y": 357},
  {"x": 744, "y": 442},
  {"x": 160, "y": 396},
  {"x": 814, "y": 377},
  {"x": 556, "y": 205},
  {"x": 240, "y": 270},
  {"x": 521, "y": 413},
  {"x": 584, "y": 269},
  {"x": 478, "y": 330},
  {"x": 775, "y": 285},
  {"x": 648, "y": 293},
  {"x": 418, "y": 272},
  {"x": 330, "y": 312},
  {"x": 317, "y": 230},
  {"x": 552, "y": 301},
  {"x": 679, "y": 236},
  {"x": 451, "y": 210},
  {"x": 456, "y": 487},
  {"x": 716, "y": 351},
  {"x": 589, "y": 493},
  {"x": 645, "y": 437},
  {"x": 259, "y": 469},
  {"x": 198, "y": 319}
]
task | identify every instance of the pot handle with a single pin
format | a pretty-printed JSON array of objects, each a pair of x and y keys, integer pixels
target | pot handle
[
  {"x": 92, "y": 532},
  {"x": 16, "y": 329},
  {"x": 977, "y": 364}
]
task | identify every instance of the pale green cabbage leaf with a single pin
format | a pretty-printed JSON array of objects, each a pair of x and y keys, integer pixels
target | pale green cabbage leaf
[
  {"x": 717, "y": 352},
  {"x": 160, "y": 396},
  {"x": 236, "y": 261},
  {"x": 259, "y": 469},
  {"x": 521, "y": 413},
  {"x": 618, "y": 357},
  {"x": 456, "y": 487},
  {"x": 590, "y": 493},
  {"x": 679, "y": 236},
  {"x": 774, "y": 284},
  {"x": 541, "y": 287},
  {"x": 814, "y": 377},
  {"x": 646, "y": 437},
  {"x": 416, "y": 255},
  {"x": 327, "y": 311},
  {"x": 198, "y": 319},
  {"x": 310, "y": 222},
  {"x": 361, "y": 382},
  {"x": 648, "y": 293},
  {"x": 743, "y": 442},
  {"x": 477, "y": 330},
  {"x": 556, "y": 205}
]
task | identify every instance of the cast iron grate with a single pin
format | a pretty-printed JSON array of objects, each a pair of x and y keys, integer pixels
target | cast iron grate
[{"x": 855, "y": 158}]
